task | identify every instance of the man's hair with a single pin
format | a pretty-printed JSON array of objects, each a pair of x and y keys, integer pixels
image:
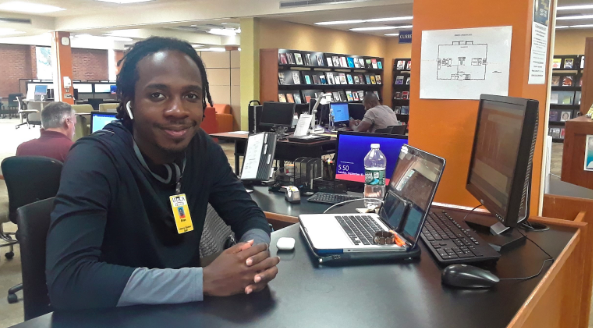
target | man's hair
[
  {"x": 54, "y": 115},
  {"x": 128, "y": 74},
  {"x": 370, "y": 98}
]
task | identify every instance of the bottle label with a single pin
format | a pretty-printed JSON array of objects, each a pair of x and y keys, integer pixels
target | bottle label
[{"x": 374, "y": 177}]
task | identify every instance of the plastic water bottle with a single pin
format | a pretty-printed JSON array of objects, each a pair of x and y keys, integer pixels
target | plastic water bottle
[{"x": 374, "y": 176}]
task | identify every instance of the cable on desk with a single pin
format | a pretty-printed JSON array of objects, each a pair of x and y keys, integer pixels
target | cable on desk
[
  {"x": 551, "y": 258},
  {"x": 349, "y": 201},
  {"x": 470, "y": 212}
]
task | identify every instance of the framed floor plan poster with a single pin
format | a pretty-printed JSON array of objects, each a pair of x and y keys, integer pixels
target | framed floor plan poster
[
  {"x": 589, "y": 154},
  {"x": 465, "y": 63}
]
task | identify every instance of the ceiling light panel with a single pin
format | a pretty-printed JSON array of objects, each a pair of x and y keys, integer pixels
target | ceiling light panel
[
  {"x": 575, "y": 17},
  {"x": 577, "y": 7},
  {"x": 360, "y": 21},
  {"x": 28, "y": 7},
  {"x": 9, "y": 31},
  {"x": 123, "y": 2},
  {"x": 374, "y": 28}
]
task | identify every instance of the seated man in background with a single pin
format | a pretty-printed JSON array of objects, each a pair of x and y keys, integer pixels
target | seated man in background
[
  {"x": 377, "y": 116},
  {"x": 132, "y": 202},
  {"x": 58, "y": 122}
]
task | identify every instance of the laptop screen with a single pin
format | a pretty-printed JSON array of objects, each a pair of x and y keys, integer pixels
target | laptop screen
[{"x": 411, "y": 191}]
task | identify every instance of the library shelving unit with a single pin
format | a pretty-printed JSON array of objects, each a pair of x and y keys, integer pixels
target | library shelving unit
[
  {"x": 400, "y": 98},
  {"x": 565, "y": 99},
  {"x": 296, "y": 76}
]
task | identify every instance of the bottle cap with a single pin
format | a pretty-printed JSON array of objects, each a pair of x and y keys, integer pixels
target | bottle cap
[{"x": 375, "y": 146}]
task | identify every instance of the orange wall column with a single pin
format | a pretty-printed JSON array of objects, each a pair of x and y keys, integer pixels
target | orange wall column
[
  {"x": 446, "y": 127},
  {"x": 62, "y": 65}
]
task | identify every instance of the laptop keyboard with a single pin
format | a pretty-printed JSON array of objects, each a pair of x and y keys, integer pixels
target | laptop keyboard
[
  {"x": 329, "y": 198},
  {"x": 360, "y": 228}
]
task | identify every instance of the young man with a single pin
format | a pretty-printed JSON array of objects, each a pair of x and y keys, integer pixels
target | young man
[
  {"x": 130, "y": 211},
  {"x": 377, "y": 116},
  {"x": 58, "y": 123}
]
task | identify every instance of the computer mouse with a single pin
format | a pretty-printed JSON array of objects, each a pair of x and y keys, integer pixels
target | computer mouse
[
  {"x": 285, "y": 243},
  {"x": 467, "y": 276},
  {"x": 292, "y": 194}
]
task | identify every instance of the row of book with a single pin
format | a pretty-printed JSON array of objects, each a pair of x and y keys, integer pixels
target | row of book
[
  {"x": 327, "y": 78},
  {"x": 404, "y": 95},
  {"x": 565, "y": 98},
  {"x": 556, "y": 133},
  {"x": 566, "y": 81},
  {"x": 337, "y": 96},
  {"x": 403, "y": 65},
  {"x": 399, "y": 80},
  {"x": 568, "y": 63},
  {"x": 560, "y": 115},
  {"x": 403, "y": 110},
  {"x": 313, "y": 60}
]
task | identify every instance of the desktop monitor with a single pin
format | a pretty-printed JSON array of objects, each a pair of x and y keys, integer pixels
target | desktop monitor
[
  {"x": 84, "y": 87},
  {"x": 102, "y": 88},
  {"x": 40, "y": 90},
  {"x": 340, "y": 112},
  {"x": 113, "y": 89},
  {"x": 99, "y": 120},
  {"x": 277, "y": 114},
  {"x": 500, "y": 168},
  {"x": 354, "y": 146},
  {"x": 356, "y": 111}
]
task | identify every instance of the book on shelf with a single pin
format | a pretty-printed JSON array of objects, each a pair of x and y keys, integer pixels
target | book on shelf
[
  {"x": 349, "y": 95},
  {"x": 290, "y": 58},
  {"x": 405, "y": 110},
  {"x": 355, "y": 96},
  {"x": 307, "y": 59},
  {"x": 343, "y": 95},
  {"x": 373, "y": 81},
  {"x": 398, "y": 95},
  {"x": 361, "y": 62},
  {"x": 361, "y": 78},
  {"x": 281, "y": 97},
  {"x": 336, "y": 61},
  {"x": 350, "y": 62},
  {"x": 399, "y": 80},
  {"x": 316, "y": 79},
  {"x": 582, "y": 62},
  {"x": 281, "y": 79},
  {"x": 555, "y": 80},
  {"x": 562, "y": 133},
  {"x": 307, "y": 98},
  {"x": 282, "y": 59},
  {"x": 361, "y": 94},
  {"x": 336, "y": 96},
  {"x": 296, "y": 78},
  {"x": 350, "y": 80},
  {"x": 320, "y": 60},
  {"x": 565, "y": 115},
  {"x": 556, "y": 133},
  {"x": 356, "y": 79},
  {"x": 356, "y": 63},
  {"x": 408, "y": 81},
  {"x": 343, "y": 62},
  {"x": 343, "y": 78},
  {"x": 329, "y": 62},
  {"x": 297, "y": 98},
  {"x": 556, "y": 63},
  {"x": 307, "y": 79},
  {"x": 554, "y": 116},
  {"x": 374, "y": 61},
  {"x": 290, "y": 98},
  {"x": 409, "y": 65},
  {"x": 322, "y": 79},
  {"x": 567, "y": 100},
  {"x": 330, "y": 78},
  {"x": 567, "y": 81},
  {"x": 379, "y": 64},
  {"x": 568, "y": 63},
  {"x": 378, "y": 79},
  {"x": 369, "y": 63},
  {"x": 406, "y": 95},
  {"x": 298, "y": 59},
  {"x": 554, "y": 98},
  {"x": 401, "y": 65},
  {"x": 397, "y": 109}
]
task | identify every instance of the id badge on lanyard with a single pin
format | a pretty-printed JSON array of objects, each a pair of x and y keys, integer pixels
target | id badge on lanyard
[{"x": 181, "y": 213}]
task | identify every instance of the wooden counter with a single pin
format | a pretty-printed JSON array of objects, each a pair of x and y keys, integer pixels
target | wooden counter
[{"x": 573, "y": 157}]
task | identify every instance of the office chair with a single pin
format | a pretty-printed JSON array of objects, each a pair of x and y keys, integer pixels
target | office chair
[
  {"x": 31, "y": 116},
  {"x": 29, "y": 179},
  {"x": 12, "y": 100},
  {"x": 95, "y": 102},
  {"x": 399, "y": 129},
  {"x": 386, "y": 130},
  {"x": 33, "y": 221},
  {"x": 216, "y": 235}
]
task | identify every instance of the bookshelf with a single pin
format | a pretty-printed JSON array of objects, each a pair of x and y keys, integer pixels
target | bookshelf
[
  {"x": 296, "y": 76},
  {"x": 565, "y": 97},
  {"x": 400, "y": 97}
]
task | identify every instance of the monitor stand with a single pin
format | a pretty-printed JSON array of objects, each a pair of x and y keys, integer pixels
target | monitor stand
[{"x": 499, "y": 236}]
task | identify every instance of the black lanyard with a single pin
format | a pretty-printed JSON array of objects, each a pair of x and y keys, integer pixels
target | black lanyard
[{"x": 178, "y": 172}]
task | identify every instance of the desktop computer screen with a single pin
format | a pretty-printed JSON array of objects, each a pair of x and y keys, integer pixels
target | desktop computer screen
[
  {"x": 102, "y": 88},
  {"x": 99, "y": 120},
  {"x": 356, "y": 111},
  {"x": 40, "y": 90},
  {"x": 84, "y": 87},
  {"x": 340, "y": 111},
  {"x": 354, "y": 146},
  {"x": 500, "y": 168},
  {"x": 277, "y": 113}
]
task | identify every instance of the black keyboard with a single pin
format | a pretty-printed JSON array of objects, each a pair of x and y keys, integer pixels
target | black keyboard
[
  {"x": 452, "y": 241},
  {"x": 360, "y": 228},
  {"x": 328, "y": 198}
]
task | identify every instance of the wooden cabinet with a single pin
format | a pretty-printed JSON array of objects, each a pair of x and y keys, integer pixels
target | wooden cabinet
[{"x": 573, "y": 157}]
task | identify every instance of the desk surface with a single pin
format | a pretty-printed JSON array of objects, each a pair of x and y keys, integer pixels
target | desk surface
[
  {"x": 243, "y": 136},
  {"x": 305, "y": 294}
]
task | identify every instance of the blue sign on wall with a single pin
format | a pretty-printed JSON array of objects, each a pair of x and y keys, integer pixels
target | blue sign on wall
[{"x": 405, "y": 37}]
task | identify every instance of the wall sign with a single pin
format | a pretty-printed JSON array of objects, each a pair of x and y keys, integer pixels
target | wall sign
[{"x": 405, "y": 36}]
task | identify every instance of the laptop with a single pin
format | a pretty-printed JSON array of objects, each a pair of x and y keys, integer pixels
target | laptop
[{"x": 406, "y": 203}]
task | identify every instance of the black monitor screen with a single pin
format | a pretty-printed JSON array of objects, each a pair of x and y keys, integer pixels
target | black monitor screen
[
  {"x": 356, "y": 111},
  {"x": 496, "y": 148},
  {"x": 274, "y": 113}
]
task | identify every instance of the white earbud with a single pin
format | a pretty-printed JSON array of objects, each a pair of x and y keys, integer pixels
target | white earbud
[{"x": 129, "y": 110}]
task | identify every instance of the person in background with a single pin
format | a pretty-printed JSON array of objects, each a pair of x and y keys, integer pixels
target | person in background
[
  {"x": 58, "y": 122},
  {"x": 132, "y": 202},
  {"x": 377, "y": 116}
]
